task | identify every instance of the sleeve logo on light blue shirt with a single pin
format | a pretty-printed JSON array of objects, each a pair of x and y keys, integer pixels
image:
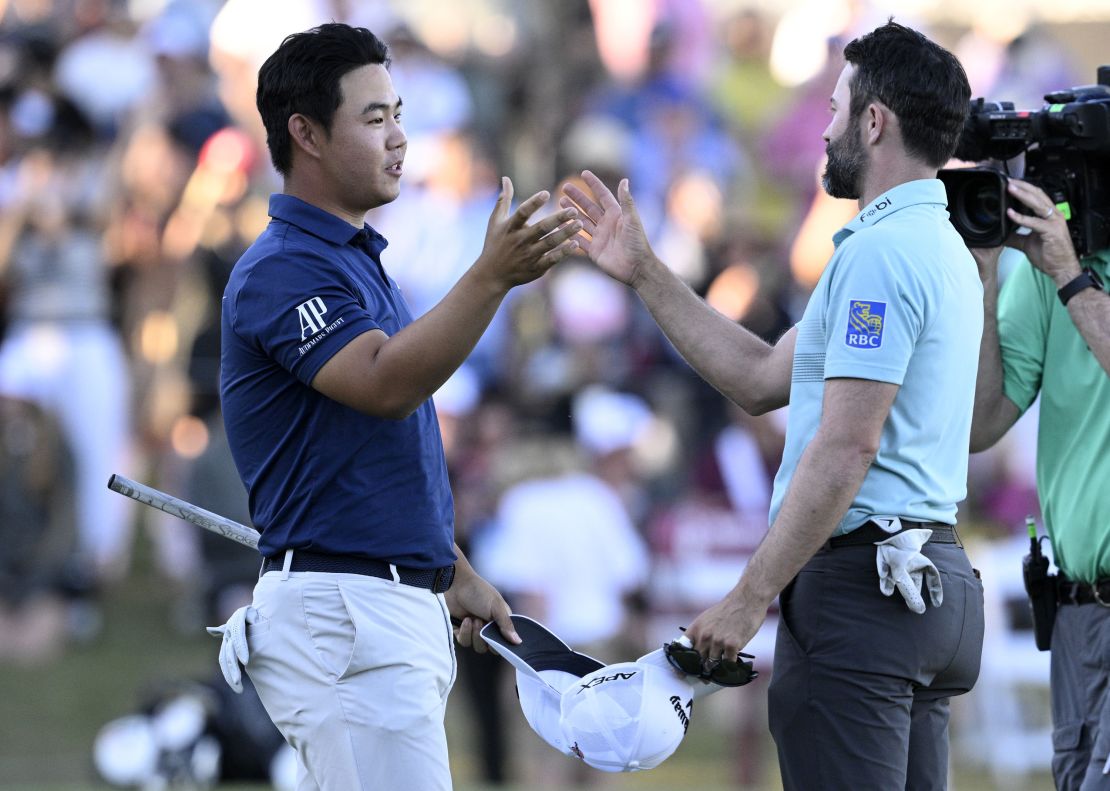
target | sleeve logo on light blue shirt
[{"x": 865, "y": 324}]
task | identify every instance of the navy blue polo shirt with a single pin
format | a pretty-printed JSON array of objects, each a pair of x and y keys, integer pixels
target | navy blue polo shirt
[{"x": 320, "y": 475}]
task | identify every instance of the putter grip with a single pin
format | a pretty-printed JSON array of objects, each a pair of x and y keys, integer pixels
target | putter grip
[{"x": 221, "y": 525}]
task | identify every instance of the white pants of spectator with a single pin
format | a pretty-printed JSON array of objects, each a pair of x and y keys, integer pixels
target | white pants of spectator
[
  {"x": 78, "y": 372},
  {"x": 355, "y": 671}
]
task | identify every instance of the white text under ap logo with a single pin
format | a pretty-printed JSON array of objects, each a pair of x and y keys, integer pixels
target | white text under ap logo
[{"x": 311, "y": 315}]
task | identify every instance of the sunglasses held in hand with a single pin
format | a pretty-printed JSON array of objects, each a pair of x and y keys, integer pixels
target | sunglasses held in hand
[{"x": 723, "y": 672}]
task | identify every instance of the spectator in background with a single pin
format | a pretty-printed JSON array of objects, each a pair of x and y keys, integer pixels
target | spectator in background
[
  {"x": 572, "y": 332},
  {"x": 672, "y": 127},
  {"x": 37, "y": 531},
  {"x": 563, "y": 520},
  {"x": 743, "y": 88},
  {"x": 792, "y": 148},
  {"x": 60, "y": 341},
  {"x": 418, "y": 71},
  {"x": 105, "y": 69},
  {"x": 185, "y": 99}
]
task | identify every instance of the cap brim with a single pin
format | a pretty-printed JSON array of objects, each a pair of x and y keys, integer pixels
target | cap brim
[
  {"x": 545, "y": 667},
  {"x": 539, "y": 650}
]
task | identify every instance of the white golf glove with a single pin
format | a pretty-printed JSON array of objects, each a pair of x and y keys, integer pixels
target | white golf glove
[
  {"x": 233, "y": 650},
  {"x": 902, "y": 566}
]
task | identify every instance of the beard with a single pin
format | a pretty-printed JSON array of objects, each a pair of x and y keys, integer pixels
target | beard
[{"x": 846, "y": 166}]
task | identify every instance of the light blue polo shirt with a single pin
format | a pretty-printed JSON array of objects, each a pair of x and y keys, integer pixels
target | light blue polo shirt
[{"x": 900, "y": 301}]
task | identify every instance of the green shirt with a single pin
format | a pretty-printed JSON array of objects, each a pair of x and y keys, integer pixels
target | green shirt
[{"x": 1042, "y": 351}]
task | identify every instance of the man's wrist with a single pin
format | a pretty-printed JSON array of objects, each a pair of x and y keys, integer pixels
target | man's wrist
[
  {"x": 753, "y": 589},
  {"x": 644, "y": 273},
  {"x": 1066, "y": 275},
  {"x": 1083, "y": 280},
  {"x": 488, "y": 279}
]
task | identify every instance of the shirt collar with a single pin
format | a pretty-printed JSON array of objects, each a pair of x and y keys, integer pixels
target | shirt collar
[
  {"x": 909, "y": 193},
  {"x": 324, "y": 225}
]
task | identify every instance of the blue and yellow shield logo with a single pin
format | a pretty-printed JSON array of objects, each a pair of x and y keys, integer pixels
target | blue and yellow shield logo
[{"x": 865, "y": 324}]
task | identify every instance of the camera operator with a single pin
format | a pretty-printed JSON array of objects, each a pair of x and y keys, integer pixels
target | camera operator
[{"x": 1048, "y": 331}]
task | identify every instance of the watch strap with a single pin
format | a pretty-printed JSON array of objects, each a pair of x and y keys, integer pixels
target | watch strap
[{"x": 1085, "y": 279}]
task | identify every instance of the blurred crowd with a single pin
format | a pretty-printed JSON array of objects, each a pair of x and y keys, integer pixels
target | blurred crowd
[{"x": 599, "y": 483}]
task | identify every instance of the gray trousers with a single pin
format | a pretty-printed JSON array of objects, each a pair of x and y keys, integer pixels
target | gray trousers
[
  {"x": 860, "y": 686},
  {"x": 1080, "y": 703}
]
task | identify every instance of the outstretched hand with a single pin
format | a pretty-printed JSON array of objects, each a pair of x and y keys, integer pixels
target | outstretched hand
[
  {"x": 515, "y": 252},
  {"x": 616, "y": 240}
]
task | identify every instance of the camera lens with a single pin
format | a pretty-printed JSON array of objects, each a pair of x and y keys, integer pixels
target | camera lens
[
  {"x": 980, "y": 205},
  {"x": 977, "y": 204}
]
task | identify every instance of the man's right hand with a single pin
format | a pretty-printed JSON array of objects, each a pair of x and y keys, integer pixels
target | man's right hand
[
  {"x": 515, "y": 252},
  {"x": 617, "y": 243}
]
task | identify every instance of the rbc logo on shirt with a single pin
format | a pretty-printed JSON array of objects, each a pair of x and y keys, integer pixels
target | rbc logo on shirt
[{"x": 865, "y": 324}]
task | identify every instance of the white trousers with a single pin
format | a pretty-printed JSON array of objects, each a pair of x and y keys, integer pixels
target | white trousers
[{"x": 355, "y": 671}]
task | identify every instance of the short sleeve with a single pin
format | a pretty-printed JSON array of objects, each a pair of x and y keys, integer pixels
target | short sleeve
[
  {"x": 877, "y": 307},
  {"x": 300, "y": 309},
  {"x": 1024, "y": 306}
]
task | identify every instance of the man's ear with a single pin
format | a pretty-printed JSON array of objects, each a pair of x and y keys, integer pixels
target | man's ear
[
  {"x": 879, "y": 120},
  {"x": 305, "y": 134}
]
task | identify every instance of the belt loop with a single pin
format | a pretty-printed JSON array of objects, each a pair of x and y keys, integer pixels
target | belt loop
[
  {"x": 393, "y": 572},
  {"x": 286, "y": 564}
]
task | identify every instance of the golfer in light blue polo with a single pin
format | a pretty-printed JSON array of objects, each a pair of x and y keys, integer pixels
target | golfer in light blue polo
[{"x": 881, "y": 613}]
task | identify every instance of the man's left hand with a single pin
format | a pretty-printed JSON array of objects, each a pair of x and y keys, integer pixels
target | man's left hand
[
  {"x": 1049, "y": 246},
  {"x": 723, "y": 630},
  {"x": 473, "y": 603}
]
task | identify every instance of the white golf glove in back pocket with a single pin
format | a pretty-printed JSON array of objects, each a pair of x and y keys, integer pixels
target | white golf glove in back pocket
[
  {"x": 233, "y": 650},
  {"x": 902, "y": 567}
]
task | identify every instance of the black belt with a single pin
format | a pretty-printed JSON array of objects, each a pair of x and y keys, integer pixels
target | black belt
[
  {"x": 435, "y": 580},
  {"x": 1068, "y": 592},
  {"x": 870, "y": 532}
]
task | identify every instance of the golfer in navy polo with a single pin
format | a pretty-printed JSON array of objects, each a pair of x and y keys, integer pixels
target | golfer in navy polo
[{"x": 326, "y": 383}]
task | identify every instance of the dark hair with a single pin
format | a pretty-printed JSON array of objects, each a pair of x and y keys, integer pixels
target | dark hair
[
  {"x": 920, "y": 81},
  {"x": 302, "y": 76}
]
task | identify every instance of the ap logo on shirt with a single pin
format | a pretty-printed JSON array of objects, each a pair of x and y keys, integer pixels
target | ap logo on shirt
[
  {"x": 865, "y": 324},
  {"x": 311, "y": 316}
]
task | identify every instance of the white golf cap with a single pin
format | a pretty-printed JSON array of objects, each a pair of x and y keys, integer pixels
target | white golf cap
[
  {"x": 624, "y": 717},
  {"x": 545, "y": 667}
]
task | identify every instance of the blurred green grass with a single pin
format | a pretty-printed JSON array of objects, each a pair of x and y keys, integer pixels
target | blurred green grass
[{"x": 51, "y": 712}]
